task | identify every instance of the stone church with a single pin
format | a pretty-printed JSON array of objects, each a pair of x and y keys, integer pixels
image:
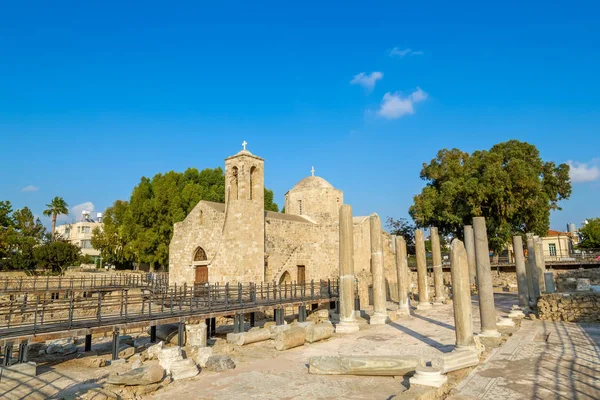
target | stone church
[{"x": 239, "y": 241}]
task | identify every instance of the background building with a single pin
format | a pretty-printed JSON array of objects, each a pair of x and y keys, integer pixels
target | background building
[{"x": 80, "y": 233}]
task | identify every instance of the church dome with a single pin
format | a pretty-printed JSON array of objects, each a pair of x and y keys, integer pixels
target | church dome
[{"x": 312, "y": 182}]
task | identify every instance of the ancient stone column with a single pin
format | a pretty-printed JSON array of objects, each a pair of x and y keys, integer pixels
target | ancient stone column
[
  {"x": 461, "y": 295},
  {"x": 348, "y": 323},
  {"x": 485, "y": 288},
  {"x": 421, "y": 270},
  {"x": 438, "y": 275},
  {"x": 521, "y": 273},
  {"x": 540, "y": 263},
  {"x": 379, "y": 293},
  {"x": 470, "y": 246},
  {"x": 532, "y": 281},
  {"x": 402, "y": 274}
]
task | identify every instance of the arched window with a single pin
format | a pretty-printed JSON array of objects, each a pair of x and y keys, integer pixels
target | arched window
[
  {"x": 200, "y": 255},
  {"x": 285, "y": 278},
  {"x": 234, "y": 184},
  {"x": 252, "y": 176}
]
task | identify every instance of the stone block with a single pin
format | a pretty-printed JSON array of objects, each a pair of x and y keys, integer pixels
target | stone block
[
  {"x": 347, "y": 327},
  {"x": 243, "y": 338},
  {"x": 183, "y": 369},
  {"x": 219, "y": 363},
  {"x": 154, "y": 350},
  {"x": 196, "y": 335},
  {"x": 317, "y": 332},
  {"x": 363, "y": 365},
  {"x": 290, "y": 338},
  {"x": 145, "y": 375},
  {"x": 456, "y": 360},
  {"x": 168, "y": 356},
  {"x": 202, "y": 356},
  {"x": 126, "y": 351},
  {"x": 277, "y": 329},
  {"x": 583, "y": 285}
]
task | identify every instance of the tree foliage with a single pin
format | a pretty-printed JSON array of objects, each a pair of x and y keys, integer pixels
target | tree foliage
[
  {"x": 20, "y": 233},
  {"x": 56, "y": 255},
  {"x": 402, "y": 227},
  {"x": 590, "y": 234},
  {"x": 140, "y": 230},
  {"x": 56, "y": 207},
  {"x": 510, "y": 185}
]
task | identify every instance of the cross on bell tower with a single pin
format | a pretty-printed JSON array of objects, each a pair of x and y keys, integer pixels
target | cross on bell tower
[
  {"x": 312, "y": 171},
  {"x": 244, "y": 144}
]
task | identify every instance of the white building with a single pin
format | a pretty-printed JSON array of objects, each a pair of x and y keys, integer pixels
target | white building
[{"x": 80, "y": 233}]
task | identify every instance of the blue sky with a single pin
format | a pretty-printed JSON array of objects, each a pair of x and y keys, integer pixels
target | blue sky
[{"x": 94, "y": 96}]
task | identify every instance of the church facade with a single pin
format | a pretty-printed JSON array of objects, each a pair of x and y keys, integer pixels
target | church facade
[{"x": 239, "y": 241}]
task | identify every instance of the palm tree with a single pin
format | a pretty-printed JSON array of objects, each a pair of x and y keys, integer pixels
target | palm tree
[{"x": 56, "y": 207}]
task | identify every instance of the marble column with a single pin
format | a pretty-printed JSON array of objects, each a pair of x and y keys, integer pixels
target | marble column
[
  {"x": 402, "y": 276},
  {"x": 421, "y": 270},
  {"x": 461, "y": 295},
  {"x": 348, "y": 323},
  {"x": 540, "y": 263},
  {"x": 470, "y": 246},
  {"x": 485, "y": 289},
  {"x": 379, "y": 316},
  {"x": 531, "y": 271},
  {"x": 521, "y": 273},
  {"x": 438, "y": 275}
]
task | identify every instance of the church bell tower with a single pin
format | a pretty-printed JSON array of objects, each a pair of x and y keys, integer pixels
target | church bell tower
[{"x": 244, "y": 230}]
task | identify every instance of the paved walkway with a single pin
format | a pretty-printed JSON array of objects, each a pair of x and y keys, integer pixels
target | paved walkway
[{"x": 542, "y": 360}]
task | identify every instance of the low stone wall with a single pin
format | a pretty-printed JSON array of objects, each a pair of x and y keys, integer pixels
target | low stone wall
[
  {"x": 572, "y": 307},
  {"x": 568, "y": 280}
]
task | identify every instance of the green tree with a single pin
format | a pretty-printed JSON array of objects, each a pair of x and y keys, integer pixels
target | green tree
[
  {"x": 56, "y": 207},
  {"x": 510, "y": 185},
  {"x": 140, "y": 230},
  {"x": 20, "y": 233},
  {"x": 57, "y": 255},
  {"x": 402, "y": 227},
  {"x": 590, "y": 234}
]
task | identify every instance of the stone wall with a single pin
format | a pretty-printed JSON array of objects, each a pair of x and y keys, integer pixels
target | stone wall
[
  {"x": 567, "y": 280},
  {"x": 572, "y": 307}
]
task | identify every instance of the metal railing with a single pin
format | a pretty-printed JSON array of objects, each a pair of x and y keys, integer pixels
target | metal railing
[
  {"x": 88, "y": 282},
  {"x": 39, "y": 313}
]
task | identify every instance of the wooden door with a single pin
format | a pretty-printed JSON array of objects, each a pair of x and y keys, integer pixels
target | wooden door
[
  {"x": 301, "y": 274},
  {"x": 201, "y": 274}
]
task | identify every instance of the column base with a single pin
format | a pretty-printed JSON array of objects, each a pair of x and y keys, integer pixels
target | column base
[
  {"x": 378, "y": 319},
  {"x": 347, "y": 327},
  {"x": 403, "y": 313},
  {"x": 491, "y": 333},
  {"x": 505, "y": 322},
  {"x": 428, "y": 376},
  {"x": 456, "y": 360},
  {"x": 424, "y": 306}
]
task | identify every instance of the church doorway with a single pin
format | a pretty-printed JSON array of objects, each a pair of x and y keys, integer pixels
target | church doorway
[
  {"x": 201, "y": 274},
  {"x": 200, "y": 263}
]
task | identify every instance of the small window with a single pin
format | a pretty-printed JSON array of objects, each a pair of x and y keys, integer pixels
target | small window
[
  {"x": 200, "y": 218},
  {"x": 552, "y": 248},
  {"x": 299, "y": 207}
]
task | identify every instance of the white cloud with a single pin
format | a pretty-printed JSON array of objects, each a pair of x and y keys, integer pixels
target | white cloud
[
  {"x": 75, "y": 212},
  {"x": 394, "y": 105},
  {"x": 584, "y": 172},
  {"x": 367, "y": 80},
  {"x": 30, "y": 188},
  {"x": 397, "y": 52}
]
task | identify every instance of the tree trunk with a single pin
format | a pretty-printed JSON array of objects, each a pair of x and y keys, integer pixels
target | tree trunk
[{"x": 53, "y": 224}]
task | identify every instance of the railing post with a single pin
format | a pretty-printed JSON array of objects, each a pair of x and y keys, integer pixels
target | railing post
[
  {"x": 88, "y": 342},
  {"x": 153, "y": 334},
  {"x": 180, "y": 334},
  {"x": 312, "y": 288},
  {"x": 7, "y": 354},
  {"x": 115, "y": 345},
  {"x": 227, "y": 295},
  {"x": 71, "y": 309},
  {"x": 240, "y": 293},
  {"x": 99, "y": 312}
]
